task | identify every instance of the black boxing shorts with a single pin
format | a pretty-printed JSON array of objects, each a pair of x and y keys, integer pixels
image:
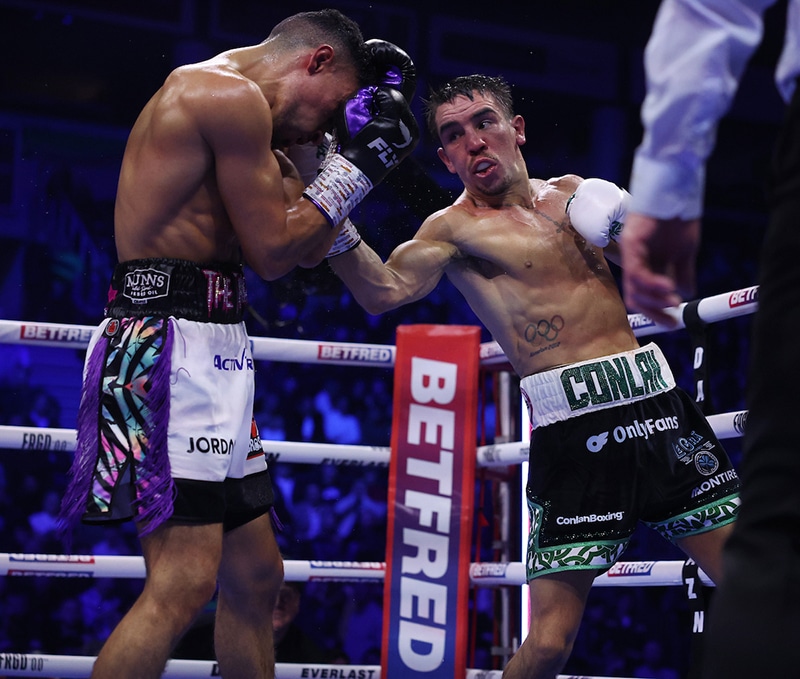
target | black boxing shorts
[{"x": 615, "y": 443}]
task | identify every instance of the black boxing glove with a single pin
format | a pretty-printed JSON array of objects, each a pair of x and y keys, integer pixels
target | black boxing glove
[
  {"x": 375, "y": 131},
  {"x": 393, "y": 67}
]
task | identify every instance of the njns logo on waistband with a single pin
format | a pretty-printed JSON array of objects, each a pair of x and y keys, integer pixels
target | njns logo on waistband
[{"x": 142, "y": 285}]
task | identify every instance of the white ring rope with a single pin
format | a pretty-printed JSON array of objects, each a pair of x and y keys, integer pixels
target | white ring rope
[
  {"x": 76, "y": 667},
  {"x": 710, "y": 310},
  {"x": 631, "y": 573},
  {"x": 264, "y": 348},
  {"x": 481, "y": 574},
  {"x": 725, "y": 425}
]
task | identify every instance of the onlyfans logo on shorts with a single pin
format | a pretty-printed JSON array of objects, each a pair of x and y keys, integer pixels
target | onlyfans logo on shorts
[
  {"x": 594, "y": 444},
  {"x": 636, "y": 430}
]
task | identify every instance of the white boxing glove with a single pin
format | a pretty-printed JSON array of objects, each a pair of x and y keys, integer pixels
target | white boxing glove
[{"x": 597, "y": 210}]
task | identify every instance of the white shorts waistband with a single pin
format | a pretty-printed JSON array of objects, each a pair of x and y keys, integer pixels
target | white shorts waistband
[{"x": 571, "y": 390}]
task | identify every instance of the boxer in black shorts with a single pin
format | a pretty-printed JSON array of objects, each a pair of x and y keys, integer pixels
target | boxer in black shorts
[
  {"x": 614, "y": 440},
  {"x": 622, "y": 458}
]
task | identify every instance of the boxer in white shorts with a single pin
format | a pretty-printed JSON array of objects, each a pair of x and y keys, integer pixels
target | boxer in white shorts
[{"x": 166, "y": 445}]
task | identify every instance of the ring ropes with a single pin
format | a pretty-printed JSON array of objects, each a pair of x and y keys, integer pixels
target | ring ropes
[{"x": 625, "y": 573}]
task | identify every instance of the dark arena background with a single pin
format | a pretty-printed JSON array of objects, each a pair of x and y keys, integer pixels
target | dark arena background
[{"x": 74, "y": 76}]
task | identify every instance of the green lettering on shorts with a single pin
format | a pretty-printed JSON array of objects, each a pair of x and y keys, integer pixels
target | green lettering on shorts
[{"x": 606, "y": 381}]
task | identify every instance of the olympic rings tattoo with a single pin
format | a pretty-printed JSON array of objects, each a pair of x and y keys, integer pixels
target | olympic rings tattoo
[{"x": 547, "y": 330}]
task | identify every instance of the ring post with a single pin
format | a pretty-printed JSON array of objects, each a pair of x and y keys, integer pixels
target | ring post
[{"x": 430, "y": 502}]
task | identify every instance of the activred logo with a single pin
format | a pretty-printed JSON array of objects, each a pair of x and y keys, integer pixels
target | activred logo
[{"x": 742, "y": 297}]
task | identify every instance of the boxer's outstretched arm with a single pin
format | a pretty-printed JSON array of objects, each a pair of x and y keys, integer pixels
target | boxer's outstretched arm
[{"x": 409, "y": 274}]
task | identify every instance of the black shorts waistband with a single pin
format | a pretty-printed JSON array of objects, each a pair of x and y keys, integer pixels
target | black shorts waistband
[{"x": 212, "y": 293}]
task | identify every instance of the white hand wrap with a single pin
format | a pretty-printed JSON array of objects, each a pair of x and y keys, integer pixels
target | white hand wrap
[
  {"x": 339, "y": 187},
  {"x": 347, "y": 239},
  {"x": 597, "y": 210},
  {"x": 308, "y": 158}
]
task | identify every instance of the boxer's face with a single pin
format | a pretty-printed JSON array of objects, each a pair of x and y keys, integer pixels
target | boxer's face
[
  {"x": 310, "y": 106},
  {"x": 479, "y": 143}
]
